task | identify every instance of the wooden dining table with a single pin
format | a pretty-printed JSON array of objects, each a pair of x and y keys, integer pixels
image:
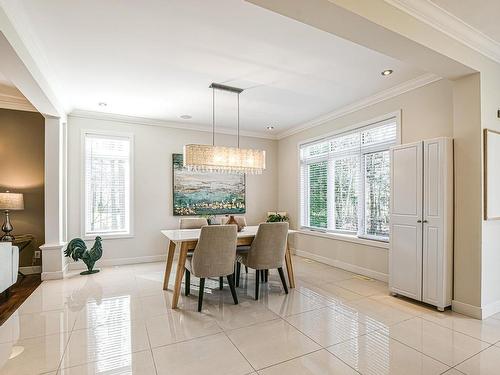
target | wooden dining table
[{"x": 186, "y": 240}]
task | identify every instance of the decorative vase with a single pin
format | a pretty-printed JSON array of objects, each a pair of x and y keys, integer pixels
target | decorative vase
[{"x": 232, "y": 220}]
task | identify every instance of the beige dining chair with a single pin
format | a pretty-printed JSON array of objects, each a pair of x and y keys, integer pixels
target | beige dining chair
[
  {"x": 213, "y": 256},
  {"x": 266, "y": 252},
  {"x": 192, "y": 222},
  {"x": 242, "y": 222}
]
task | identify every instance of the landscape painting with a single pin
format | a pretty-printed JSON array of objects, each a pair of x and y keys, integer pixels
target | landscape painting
[{"x": 205, "y": 193}]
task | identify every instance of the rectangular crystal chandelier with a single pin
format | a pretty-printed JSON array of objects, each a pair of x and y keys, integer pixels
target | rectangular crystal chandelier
[{"x": 221, "y": 159}]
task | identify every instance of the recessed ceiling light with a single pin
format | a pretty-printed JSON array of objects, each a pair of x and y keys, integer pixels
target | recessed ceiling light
[
  {"x": 387, "y": 72},
  {"x": 269, "y": 127},
  {"x": 186, "y": 117},
  {"x": 102, "y": 104}
]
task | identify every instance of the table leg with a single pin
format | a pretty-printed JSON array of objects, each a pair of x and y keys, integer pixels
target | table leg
[
  {"x": 289, "y": 266},
  {"x": 168, "y": 266},
  {"x": 179, "y": 274}
]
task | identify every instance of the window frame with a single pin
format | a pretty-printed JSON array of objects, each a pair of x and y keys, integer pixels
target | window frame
[
  {"x": 83, "y": 185},
  {"x": 361, "y": 126}
]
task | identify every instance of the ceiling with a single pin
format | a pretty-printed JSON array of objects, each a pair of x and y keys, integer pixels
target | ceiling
[
  {"x": 480, "y": 14},
  {"x": 156, "y": 59}
]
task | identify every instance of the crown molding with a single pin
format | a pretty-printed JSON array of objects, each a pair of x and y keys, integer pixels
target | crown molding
[
  {"x": 15, "y": 102},
  {"x": 363, "y": 103},
  {"x": 449, "y": 24},
  {"x": 163, "y": 123}
]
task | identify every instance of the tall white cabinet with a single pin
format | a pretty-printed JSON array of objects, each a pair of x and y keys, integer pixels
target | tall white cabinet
[{"x": 421, "y": 223}]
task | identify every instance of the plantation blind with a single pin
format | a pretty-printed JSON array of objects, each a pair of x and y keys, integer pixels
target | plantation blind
[
  {"x": 345, "y": 181},
  {"x": 107, "y": 184}
]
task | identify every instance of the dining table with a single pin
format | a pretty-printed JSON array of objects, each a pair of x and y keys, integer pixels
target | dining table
[{"x": 186, "y": 240}]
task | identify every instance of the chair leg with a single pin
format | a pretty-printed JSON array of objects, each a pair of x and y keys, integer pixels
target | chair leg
[
  {"x": 187, "y": 283},
  {"x": 221, "y": 283},
  {"x": 257, "y": 285},
  {"x": 283, "y": 281},
  {"x": 266, "y": 275},
  {"x": 200, "y": 295},
  {"x": 238, "y": 271},
  {"x": 230, "y": 281},
  {"x": 246, "y": 269}
]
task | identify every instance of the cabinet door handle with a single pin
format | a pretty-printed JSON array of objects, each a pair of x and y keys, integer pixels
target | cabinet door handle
[
  {"x": 425, "y": 221},
  {"x": 419, "y": 221}
]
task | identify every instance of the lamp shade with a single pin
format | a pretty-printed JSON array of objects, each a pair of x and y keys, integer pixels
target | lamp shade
[
  {"x": 220, "y": 159},
  {"x": 11, "y": 201}
]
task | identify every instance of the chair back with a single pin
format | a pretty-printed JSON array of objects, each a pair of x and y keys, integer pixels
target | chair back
[
  {"x": 192, "y": 222},
  {"x": 268, "y": 248},
  {"x": 215, "y": 252}
]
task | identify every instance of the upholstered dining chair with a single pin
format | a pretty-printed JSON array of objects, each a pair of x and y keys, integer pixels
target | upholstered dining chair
[
  {"x": 242, "y": 222},
  {"x": 266, "y": 252},
  {"x": 192, "y": 222},
  {"x": 213, "y": 256}
]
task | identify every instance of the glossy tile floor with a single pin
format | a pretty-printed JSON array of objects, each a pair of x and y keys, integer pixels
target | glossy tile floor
[{"x": 119, "y": 321}]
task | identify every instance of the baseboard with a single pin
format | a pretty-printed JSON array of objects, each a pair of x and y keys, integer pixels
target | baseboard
[
  {"x": 52, "y": 275},
  {"x": 343, "y": 265},
  {"x": 466, "y": 309},
  {"x": 30, "y": 270},
  {"x": 118, "y": 262}
]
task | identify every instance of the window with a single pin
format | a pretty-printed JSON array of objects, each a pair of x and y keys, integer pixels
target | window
[
  {"x": 345, "y": 181},
  {"x": 107, "y": 181}
]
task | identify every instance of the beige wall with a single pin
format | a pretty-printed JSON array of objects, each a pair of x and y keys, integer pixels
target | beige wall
[
  {"x": 490, "y": 255},
  {"x": 153, "y": 148},
  {"x": 467, "y": 160},
  {"x": 427, "y": 112},
  {"x": 22, "y": 156}
]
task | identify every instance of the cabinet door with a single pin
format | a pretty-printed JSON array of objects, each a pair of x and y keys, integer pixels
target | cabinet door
[
  {"x": 436, "y": 176},
  {"x": 405, "y": 256}
]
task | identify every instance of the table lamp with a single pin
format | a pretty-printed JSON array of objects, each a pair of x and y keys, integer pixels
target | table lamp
[{"x": 10, "y": 202}]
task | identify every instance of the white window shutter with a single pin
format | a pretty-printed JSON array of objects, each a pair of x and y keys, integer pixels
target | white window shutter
[
  {"x": 345, "y": 181},
  {"x": 107, "y": 184}
]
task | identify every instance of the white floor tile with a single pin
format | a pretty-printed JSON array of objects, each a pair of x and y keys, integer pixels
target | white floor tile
[
  {"x": 485, "y": 330},
  {"x": 140, "y": 363},
  {"x": 331, "y": 291},
  {"x": 109, "y": 310},
  {"x": 265, "y": 344},
  {"x": 376, "y": 353},
  {"x": 327, "y": 326},
  {"x": 107, "y": 323},
  {"x": 208, "y": 355},
  {"x": 485, "y": 363},
  {"x": 32, "y": 356},
  {"x": 364, "y": 286},
  {"x": 317, "y": 363},
  {"x": 443, "y": 344},
  {"x": 105, "y": 341},
  {"x": 246, "y": 313},
  {"x": 179, "y": 325},
  {"x": 372, "y": 313},
  {"x": 291, "y": 303}
]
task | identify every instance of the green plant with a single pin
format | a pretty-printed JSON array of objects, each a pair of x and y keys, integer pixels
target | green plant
[{"x": 275, "y": 218}]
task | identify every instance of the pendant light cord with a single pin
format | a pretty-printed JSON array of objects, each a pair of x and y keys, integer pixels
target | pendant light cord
[
  {"x": 238, "y": 132},
  {"x": 213, "y": 116}
]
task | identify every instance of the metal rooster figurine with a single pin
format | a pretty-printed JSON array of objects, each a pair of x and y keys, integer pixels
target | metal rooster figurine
[{"x": 78, "y": 250}]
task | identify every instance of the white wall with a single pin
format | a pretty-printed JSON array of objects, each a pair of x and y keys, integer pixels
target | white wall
[
  {"x": 427, "y": 112},
  {"x": 154, "y": 146}
]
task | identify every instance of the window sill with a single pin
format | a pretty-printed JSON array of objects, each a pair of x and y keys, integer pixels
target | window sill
[
  {"x": 91, "y": 237},
  {"x": 345, "y": 237}
]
